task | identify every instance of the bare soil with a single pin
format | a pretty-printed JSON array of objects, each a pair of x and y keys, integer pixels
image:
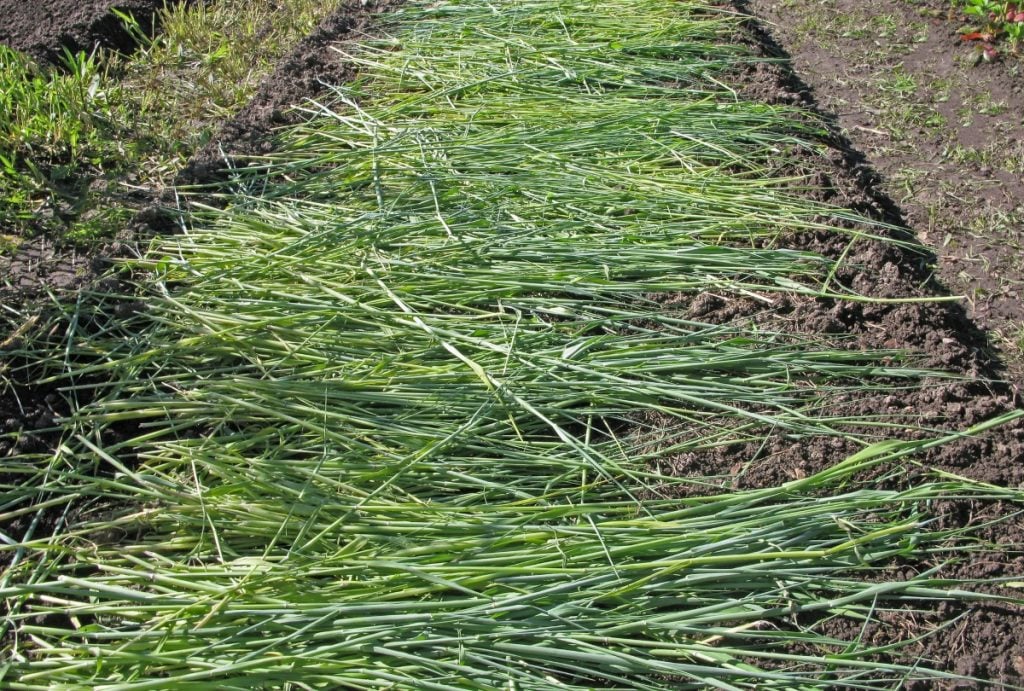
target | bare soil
[
  {"x": 905, "y": 119},
  {"x": 940, "y": 130},
  {"x": 44, "y": 29}
]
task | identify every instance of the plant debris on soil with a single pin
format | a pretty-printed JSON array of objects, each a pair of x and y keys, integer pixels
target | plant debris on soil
[
  {"x": 43, "y": 275},
  {"x": 923, "y": 141},
  {"x": 940, "y": 130}
]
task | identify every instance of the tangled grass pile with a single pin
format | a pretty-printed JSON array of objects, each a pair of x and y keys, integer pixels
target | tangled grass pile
[{"x": 386, "y": 396}]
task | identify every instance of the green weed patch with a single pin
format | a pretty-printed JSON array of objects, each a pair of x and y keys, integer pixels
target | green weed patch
[
  {"x": 78, "y": 144},
  {"x": 57, "y": 130}
]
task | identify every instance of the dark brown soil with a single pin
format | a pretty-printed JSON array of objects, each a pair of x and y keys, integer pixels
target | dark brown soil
[
  {"x": 961, "y": 337},
  {"x": 987, "y": 642},
  {"x": 44, "y": 29},
  {"x": 940, "y": 130}
]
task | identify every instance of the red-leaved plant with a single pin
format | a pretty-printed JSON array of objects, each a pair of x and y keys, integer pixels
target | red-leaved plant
[{"x": 994, "y": 24}]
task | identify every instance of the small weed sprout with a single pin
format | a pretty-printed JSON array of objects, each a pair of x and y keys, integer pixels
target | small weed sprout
[{"x": 51, "y": 124}]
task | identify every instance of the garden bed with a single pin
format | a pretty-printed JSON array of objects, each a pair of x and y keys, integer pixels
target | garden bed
[{"x": 986, "y": 641}]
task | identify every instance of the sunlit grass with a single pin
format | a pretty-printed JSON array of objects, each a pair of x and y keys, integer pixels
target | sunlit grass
[
  {"x": 201, "y": 68},
  {"x": 79, "y": 147},
  {"x": 378, "y": 421}
]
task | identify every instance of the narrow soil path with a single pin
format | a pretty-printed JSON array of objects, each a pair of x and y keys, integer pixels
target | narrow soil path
[{"x": 942, "y": 129}]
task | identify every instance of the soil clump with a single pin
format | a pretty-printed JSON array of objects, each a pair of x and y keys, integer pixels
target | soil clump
[{"x": 45, "y": 29}]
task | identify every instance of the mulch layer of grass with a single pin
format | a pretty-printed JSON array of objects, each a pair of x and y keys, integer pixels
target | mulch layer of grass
[{"x": 986, "y": 641}]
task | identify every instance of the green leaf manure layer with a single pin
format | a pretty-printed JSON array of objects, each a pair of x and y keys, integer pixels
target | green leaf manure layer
[{"x": 388, "y": 390}]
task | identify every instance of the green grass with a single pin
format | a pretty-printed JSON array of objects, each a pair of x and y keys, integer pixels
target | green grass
[
  {"x": 56, "y": 130},
  {"x": 381, "y": 419},
  {"x": 202, "y": 67},
  {"x": 77, "y": 145}
]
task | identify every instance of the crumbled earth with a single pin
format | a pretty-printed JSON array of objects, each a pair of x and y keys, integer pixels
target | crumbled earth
[
  {"x": 39, "y": 271},
  {"x": 940, "y": 128},
  {"x": 921, "y": 138},
  {"x": 44, "y": 29}
]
